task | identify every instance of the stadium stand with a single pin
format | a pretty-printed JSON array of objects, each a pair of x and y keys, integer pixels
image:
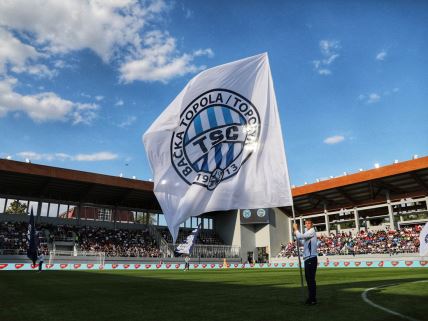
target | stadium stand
[
  {"x": 360, "y": 213},
  {"x": 392, "y": 242},
  {"x": 114, "y": 243}
]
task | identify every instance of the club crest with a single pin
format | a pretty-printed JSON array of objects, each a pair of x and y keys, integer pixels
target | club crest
[{"x": 217, "y": 133}]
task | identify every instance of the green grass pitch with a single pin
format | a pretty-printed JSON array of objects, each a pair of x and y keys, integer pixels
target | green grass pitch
[{"x": 209, "y": 295}]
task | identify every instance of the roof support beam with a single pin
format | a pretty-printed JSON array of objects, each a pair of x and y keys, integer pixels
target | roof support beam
[
  {"x": 84, "y": 195},
  {"x": 345, "y": 195},
  {"x": 387, "y": 186},
  {"x": 124, "y": 196},
  {"x": 418, "y": 180},
  {"x": 325, "y": 200}
]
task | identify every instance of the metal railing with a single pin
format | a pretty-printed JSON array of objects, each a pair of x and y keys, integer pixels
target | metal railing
[
  {"x": 166, "y": 249},
  {"x": 215, "y": 251},
  {"x": 99, "y": 256},
  {"x": 13, "y": 252}
]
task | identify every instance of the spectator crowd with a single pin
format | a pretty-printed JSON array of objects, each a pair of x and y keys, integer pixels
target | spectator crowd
[
  {"x": 124, "y": 243},
  {"x": 404, "y": 240},
  {"x": 139, "y": 243}
]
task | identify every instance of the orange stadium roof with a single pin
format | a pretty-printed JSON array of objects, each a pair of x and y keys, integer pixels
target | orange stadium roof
[
  {"x": 401, "y": 180},
  {"x": 32, "y": 181}
]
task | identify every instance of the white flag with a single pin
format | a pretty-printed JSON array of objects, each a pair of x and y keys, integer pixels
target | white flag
[
  {"x": 423, "y": 241},
  {"x": 218, "y": 145},
  {"x": 187, "y": 245}
]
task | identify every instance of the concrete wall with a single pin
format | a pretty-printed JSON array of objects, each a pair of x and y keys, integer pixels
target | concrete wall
[
  {"x": 279, "y": 231},
  {"x": 248, "y": 241},
  {"x": 262, "y": 236},
  {"x": 227, "y": 226}
]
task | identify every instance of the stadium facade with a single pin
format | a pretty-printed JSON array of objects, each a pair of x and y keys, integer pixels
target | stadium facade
[{"x": 392, "y": 195}]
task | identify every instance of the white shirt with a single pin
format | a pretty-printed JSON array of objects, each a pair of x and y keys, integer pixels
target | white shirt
[{"x": 309, "y": 239}]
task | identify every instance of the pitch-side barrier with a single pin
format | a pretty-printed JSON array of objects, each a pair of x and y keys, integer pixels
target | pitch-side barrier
[{"x": 208, "y": 266}]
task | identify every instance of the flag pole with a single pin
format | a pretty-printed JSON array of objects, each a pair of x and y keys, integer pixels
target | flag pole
[{"x": 298, "y": 254}]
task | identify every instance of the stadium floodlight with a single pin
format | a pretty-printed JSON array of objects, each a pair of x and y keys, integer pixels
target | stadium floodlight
[
  {"x": 415, "y": 156},
  {"x": 306, "y": 183},
  {"x": 134, "y": 177},
  {"x": 120, "y": 175},
  {"x": 8, "y": 157},
  {"x": 331, "y": 176},
  {"x": 345, "y": 173},
  {"x": 318, "y": 180},
  {"x": 396, "y": 161},
  {"x": 360, "y": 169},
  {"x": 376, "y": 165}
]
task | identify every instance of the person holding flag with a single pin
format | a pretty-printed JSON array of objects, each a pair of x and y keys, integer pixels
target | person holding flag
[
  {"x": 310, "y": 258},
  {"x": 31, "y": 239},
  {"x": 187, "y": 263},
  {"x": 41, "y": 259}
]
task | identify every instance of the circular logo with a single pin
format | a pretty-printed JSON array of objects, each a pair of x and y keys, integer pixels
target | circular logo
[
  {"x": 217, "y": 133},
  {"x": 261, "y": 212},
  {"x": 246, "y": 213}
]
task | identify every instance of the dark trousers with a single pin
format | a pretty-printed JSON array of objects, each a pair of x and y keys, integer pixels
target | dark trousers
[
  {"x": 310, "y": 271},
  {"x": 40, "y": 265}
]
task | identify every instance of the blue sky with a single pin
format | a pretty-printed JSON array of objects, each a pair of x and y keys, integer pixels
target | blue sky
[{"x": 81, "y": 81}]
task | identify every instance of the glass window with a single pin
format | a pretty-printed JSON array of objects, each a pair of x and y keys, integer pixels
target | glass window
[
  {"x": 71, "y": 212},
  {"x": 2, "y": 205},
  {"x": 139, "y": 217},
  {"x": 188, "y": 222},
  {"x": 33, "y": 205},
  {"x": 44, "y": 211},
  {"x": 162, "y": 221},
  {"x": 104, "y": 214},
  {"x": 14, "y": 206},
  {"x": 53, "y": 210},
  {"x": 62, "y": 210}
]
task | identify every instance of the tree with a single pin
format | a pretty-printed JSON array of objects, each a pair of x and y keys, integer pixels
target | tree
[
  {"x": 146, "y": 218},
  {"x": 16, "y": 208}
]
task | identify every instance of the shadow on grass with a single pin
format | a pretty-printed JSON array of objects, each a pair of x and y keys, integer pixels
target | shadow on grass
[{"x": 196, "y": 295}]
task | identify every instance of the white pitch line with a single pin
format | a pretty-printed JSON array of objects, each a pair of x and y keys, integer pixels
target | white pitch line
[{"x": 364, "y": 296}]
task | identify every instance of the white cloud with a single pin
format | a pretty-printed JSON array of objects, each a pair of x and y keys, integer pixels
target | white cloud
[
  {"x": 381, "y": 55},
  {"x": 324, "y": 71},
  {"x": 329, "y": 51},
  {"x": 373, "y": 98},
  {"x": 334, "y": 139},
  {"x": 36, "y": 36},
  {"x": 45, "y": 106},
  {"x": 159, "y": 60},
  {"x": 112, "y": 29},
  {"x": 13, "y": 52},
  {"x": 37, "y": 70},
  {"x": 70, "y": 25},
  {"x": 128, "y": 122},
  {"x": 376, "y": 97},
  {"x": 119, "y": 103},
  {"x": 100, "y": 156}
]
